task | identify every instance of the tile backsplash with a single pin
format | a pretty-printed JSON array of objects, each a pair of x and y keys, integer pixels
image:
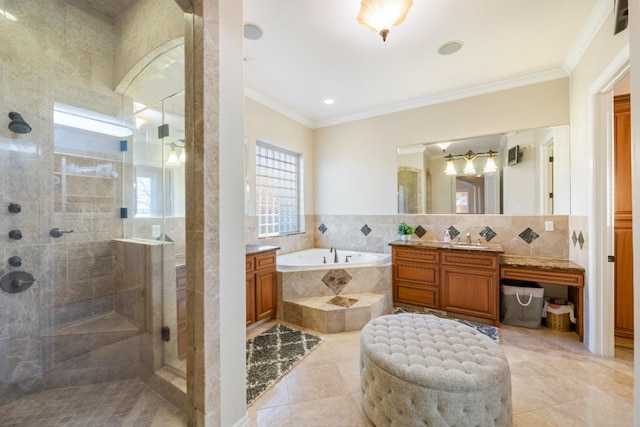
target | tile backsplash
[{"x": 517, "y": 234}]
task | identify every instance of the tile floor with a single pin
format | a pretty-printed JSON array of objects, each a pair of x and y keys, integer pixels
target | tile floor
[
  {"x": 113, "y": 404},
  {"x": 555, "y": 382}
]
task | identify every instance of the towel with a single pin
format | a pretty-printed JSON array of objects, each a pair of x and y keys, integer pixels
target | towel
[{"x": 559, "y": 309}]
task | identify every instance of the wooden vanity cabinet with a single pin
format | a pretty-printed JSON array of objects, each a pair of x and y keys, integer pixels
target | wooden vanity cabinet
[
  {"x": 261, "y": 286},
  {"x": 471, "y": 283},
  {"x": 416, "y": 276},
  {"x": 457, "y": 281}
]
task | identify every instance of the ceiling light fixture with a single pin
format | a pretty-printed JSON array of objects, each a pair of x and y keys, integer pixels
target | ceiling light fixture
[
  {"x": 470, "y": 167},
  {"x": 329, "y": 101},
  {"x": 443, "y": 145},
  {"x": 381, "y": 15}
]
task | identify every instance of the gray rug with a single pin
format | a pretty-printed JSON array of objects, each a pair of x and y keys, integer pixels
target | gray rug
[
  {"x": 488, "y": 330},
  {"x": 272, "y": 354}
]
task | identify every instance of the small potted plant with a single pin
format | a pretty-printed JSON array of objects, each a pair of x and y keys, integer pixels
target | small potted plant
[{"x": 405, "y": 231}]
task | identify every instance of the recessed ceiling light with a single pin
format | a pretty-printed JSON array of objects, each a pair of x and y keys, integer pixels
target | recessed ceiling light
[
  {"x": 252, "y": 31},
  {"x": 450, "y": 48},
  {"x": 329, "y": 101}
]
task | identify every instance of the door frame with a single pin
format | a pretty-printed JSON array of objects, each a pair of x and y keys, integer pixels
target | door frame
[{"x": 601, "y": 303}]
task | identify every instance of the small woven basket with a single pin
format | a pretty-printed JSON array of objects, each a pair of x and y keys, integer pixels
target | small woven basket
[{"x": 558, "y": 322}]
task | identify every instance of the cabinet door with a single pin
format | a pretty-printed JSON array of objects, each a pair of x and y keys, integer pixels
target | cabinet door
[
  {"x": 470, "y": 291},
  {"x": 251, "y": 299},
  {"x": 265, "y": 286}
]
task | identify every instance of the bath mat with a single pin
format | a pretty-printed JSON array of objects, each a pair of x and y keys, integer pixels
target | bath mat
[
  {"x": 272, "y": 354},
  {"x": 488, "y": 330}
]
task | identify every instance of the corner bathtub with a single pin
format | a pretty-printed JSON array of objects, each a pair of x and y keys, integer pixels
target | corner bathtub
[{"x": 322, "y": 259}]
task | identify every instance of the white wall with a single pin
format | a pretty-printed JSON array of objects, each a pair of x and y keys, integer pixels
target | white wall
[
  {"x": 370, "y": 144},
  {"x": 266, "y": 124},
  {"x": 517, "y": 182}
]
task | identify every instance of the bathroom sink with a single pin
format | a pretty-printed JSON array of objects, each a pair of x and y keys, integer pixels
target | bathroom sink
[{"x": 475, "y": 246}]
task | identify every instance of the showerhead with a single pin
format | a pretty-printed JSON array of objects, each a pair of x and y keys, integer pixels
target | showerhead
[{"x": 17, "y": 124}]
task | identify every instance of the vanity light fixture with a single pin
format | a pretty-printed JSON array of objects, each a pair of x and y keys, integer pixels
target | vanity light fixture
[
  {"x": 470, "y": 168},
  {"x": 381, "y": 15},
  {"x": 490, "y": 166},
  {"x": 173, "y": 159}
]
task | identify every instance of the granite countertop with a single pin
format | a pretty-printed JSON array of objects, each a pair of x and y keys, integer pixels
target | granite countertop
[
  {"x": 434, "y": 244},
  {"x": 256, "y": 249},
  {"x": 549, "y": 264}
]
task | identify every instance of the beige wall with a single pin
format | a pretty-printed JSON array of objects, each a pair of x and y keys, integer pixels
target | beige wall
[
  {"x": 359, "y": 158},
  {"x": 589, "y": 166},
  {"x": 604, "y": 48}
]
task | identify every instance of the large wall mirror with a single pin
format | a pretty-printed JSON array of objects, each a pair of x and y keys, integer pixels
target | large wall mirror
[{"x": 524, "y": 172}]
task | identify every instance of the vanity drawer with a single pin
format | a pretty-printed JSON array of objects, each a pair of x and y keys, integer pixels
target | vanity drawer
[
  {"x": 424, "y": 296},
  {"x": 470, "y": 260},
  {"x": 415, "y": 254},
  {"x": 415, "y": 272},
  {"x": 265, "y": 260}
]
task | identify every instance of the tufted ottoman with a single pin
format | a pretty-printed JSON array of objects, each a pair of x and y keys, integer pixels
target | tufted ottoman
[{"x": 422, "y": 370}]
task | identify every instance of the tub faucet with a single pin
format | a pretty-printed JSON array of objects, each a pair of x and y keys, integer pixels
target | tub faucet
[{"x": 335, "y": 254}]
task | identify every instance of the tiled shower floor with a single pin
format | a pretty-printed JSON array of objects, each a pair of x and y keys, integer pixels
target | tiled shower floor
[{"x": 118, "y": 403}]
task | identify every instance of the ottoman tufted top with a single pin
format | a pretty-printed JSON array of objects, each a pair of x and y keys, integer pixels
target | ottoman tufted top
[{"x": 436, "y": 353}]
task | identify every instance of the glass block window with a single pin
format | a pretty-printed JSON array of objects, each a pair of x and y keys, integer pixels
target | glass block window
[{"x": 277, "y": 190}]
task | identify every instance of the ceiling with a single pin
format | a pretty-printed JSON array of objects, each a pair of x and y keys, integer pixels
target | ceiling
[{"x": 315, "y": 49}]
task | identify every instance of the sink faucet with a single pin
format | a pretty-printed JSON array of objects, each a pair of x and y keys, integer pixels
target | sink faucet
[
  {"x": 468, "y": 239},
  {"x": 335, "y": 254}
]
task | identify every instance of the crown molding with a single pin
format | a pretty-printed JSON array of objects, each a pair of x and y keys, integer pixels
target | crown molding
[
  {"x": 594, "y": 23},
  {"x": 502, "y": 84},
  {"x": 268, "y": 102}
]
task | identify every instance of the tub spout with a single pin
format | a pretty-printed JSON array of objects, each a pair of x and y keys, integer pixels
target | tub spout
[{"x": 335, "y": 254}]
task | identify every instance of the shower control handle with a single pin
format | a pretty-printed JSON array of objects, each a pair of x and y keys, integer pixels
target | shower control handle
[
  {"x": 57, "y": 232},
  {"x": 15, "y": 261},
  {"x": 15, "y": 234}
]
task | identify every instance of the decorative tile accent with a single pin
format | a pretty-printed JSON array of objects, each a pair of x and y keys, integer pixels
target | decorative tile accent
[
  {"x": 488, "y": 233},
  {"x": 336, "y": 280},
  {"x": 581, "y": 240},
  {"x": 528, "y": 235},
  {"x": 342, "y": 301},
  {"x": 453, "y": 232},
  {"x": 322, "y": 228},
  {"x": 574, "y": 238},
  {"x": 420, "y": 231},
  {"x": 366, "y": 230}
]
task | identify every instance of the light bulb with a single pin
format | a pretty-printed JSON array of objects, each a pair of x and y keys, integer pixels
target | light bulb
[
  {"x": 173, "y": 158},
  {"x": 469, "y": 168}
]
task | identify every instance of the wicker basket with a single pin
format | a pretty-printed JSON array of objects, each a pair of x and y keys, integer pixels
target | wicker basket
[{"x": 558, "y": 322}]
